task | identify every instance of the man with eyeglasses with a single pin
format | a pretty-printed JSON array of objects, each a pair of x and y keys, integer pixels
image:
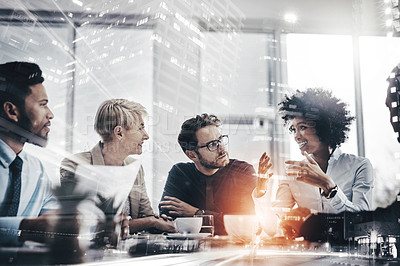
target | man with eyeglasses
[{"x": 212, "y": 183}]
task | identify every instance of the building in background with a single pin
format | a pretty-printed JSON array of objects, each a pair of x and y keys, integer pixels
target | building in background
[
  {"x": 177, "y": 58},
  {"x": 181, "y": 58}
]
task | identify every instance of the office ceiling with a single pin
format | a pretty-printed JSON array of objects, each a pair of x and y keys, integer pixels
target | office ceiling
[
  {"x": 313, "y": 16},
  {"x": 317, "y": 16}
]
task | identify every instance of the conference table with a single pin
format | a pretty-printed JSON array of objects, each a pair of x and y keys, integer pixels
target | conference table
[{"x": 200, "y": 249}]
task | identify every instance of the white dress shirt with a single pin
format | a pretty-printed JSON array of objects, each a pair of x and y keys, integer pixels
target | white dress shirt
[
  {"x": 352, "y": 174},
  {"x": 36, "y": 192}
]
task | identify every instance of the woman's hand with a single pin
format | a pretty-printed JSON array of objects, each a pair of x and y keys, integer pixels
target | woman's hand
[
  {"x": 124, "y": 220},
  {"x": 309, "y": 172},
  {"x": 164, "y": 217},
  {"x": 163, "y": 224},
  {"x": 264, "y": 167}
]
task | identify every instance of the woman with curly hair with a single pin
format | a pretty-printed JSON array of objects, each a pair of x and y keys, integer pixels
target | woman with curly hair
[{"x": 328, "y": 180}]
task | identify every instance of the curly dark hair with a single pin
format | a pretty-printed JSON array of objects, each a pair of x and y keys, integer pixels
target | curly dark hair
[
  {"x": 330, "y": 115},
  {"x": 187, "y": 137}
]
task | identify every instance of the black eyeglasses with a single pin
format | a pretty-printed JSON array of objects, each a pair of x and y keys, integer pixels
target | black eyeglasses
[{"x": 214, "y": 144}]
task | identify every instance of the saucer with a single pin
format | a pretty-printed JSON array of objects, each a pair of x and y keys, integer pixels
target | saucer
[{"x": 188, "y": 236}]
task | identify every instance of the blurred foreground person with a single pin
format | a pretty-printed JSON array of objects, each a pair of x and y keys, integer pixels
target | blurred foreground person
[
  {"x": 393, "y": 99},
  {"x": 393, "y": 103},
  {"x": 25, "y": 189},
  {"x": 328, "y": 180},
  {"x": 120, "y": 125},
  {"x": 212, "y": 184}
]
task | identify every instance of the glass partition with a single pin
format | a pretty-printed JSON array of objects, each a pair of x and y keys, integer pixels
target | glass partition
[
  {"x": 50, "y": 46},
  {"x": 323, "y": 61},
  {"x": 379, "y": 55}
]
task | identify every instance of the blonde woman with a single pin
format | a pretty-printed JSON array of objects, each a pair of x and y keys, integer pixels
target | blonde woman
[{"x": 120, "y": 125}]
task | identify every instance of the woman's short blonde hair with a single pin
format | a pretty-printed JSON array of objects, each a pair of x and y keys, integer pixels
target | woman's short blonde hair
[{"x": 117, "y": 112}]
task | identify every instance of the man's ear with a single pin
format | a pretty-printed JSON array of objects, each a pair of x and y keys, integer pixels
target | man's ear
[
  {"x": 11, "y": 111},
  {"x": 191, "y": 154}
]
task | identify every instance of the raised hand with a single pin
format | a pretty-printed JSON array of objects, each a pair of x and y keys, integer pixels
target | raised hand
[
  {"x": 264, "y": 173},
  {"x": 309, "y": 172},
  {"x": 264, "y": 165}
]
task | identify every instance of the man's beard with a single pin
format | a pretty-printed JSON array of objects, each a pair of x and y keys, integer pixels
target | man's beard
[
  {"x": 210, "y": 164},
  {"x": 25, "y": 123}
]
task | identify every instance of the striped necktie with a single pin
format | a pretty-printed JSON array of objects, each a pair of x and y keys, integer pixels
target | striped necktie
[{"x": 11, "y": 202}]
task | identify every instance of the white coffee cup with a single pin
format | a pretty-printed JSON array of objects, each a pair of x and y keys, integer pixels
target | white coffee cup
[{"x": 188, "y": 225}]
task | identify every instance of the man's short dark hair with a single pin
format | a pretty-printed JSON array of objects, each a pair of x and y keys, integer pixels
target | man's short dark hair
[
  {"x": 187, "y": 137},
  {"x": 15, "y": 79},
  {"x": 331, "y": 117}
]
